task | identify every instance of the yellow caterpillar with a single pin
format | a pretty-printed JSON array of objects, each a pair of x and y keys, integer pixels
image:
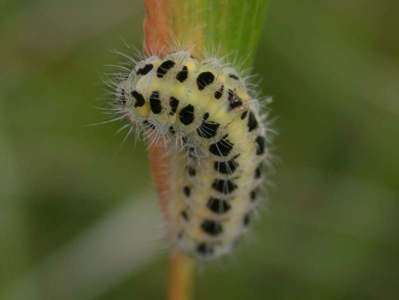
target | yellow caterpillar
[{"x": 203, "y": 110}]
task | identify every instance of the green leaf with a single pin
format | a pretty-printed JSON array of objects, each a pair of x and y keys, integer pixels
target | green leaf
[{"x": 227, "y": 27}]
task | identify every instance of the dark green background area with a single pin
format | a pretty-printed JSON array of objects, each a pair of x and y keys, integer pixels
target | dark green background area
[{"x": 330, "y": 230}]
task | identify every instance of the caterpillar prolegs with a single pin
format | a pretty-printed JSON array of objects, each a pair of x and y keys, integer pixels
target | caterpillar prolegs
[{"x": 217, "y": 145}]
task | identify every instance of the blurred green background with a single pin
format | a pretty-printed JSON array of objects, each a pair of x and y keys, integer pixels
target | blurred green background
[{"x": 78, "y": 217}]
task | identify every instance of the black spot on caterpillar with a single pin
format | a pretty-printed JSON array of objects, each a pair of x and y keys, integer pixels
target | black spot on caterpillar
[
  {"x": 182, "y": 75},
  {"x": 219, "y": 93},
  {"x": 191, "y": 171},
  {"x": 184, "y": 215},
  {"x": 164, "y": 68},
  {"x": 247, "y": 219},
  {"x": 139, "y": 99},
  {"x": 148, "y": 124},
  {"x": 187, "y": 191},
  {"x": 224, "y": 186},
  {"x": 207, "y": 129},
  {"x": 211, "y": 227},
  {"x": 226, "y": 167},
  {"x": 252, "y": 122},
  {"x": 186, "y": 115},
  {"x": 253, "y": 195},
  {"x": 174, "y": 103},
  {"x": 172, "y": 130},
  {"x": 204, "y": 79},
  {"x": 258, "y": 171},
  {"x": 204, "y": 249},
  {"x": 155, "y": 102},
  {"x": 234, "y": 100},
  {"x": 221, "y": 148},
  {"x": 216, "y": 141},
  {"x": 218, "y": 206},
  {"x": 144, "y": 70},
  {"x": 260, "y": 142}
]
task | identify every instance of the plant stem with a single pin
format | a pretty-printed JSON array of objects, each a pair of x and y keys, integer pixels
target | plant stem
[
  {"x": 157, "y": 35},
  {"x": 180, "y": 277},
  {"x": 224, "y": 27}
]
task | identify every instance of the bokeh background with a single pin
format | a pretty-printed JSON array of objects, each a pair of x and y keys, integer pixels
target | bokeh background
[{"x": 78, "y": 215}]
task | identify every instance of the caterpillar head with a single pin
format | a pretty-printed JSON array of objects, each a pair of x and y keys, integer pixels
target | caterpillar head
[{"x": 129, "y": 92}]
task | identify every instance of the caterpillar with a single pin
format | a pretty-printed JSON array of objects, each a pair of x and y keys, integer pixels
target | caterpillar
[{"x": 216, "y": 140}]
